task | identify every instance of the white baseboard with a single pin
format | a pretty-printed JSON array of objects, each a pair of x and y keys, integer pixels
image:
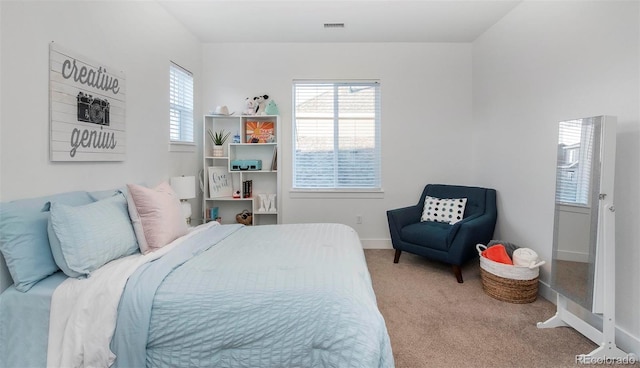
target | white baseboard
[
  {"x": 545, "y": 291},
  {"x": 376, "y": 243},
  {"x": 565, "y": 255},
  {"x": 624, "y": 340}
]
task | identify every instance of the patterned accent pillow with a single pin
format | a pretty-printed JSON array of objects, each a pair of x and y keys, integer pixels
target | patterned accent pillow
[{"x": 449, "y": 210}]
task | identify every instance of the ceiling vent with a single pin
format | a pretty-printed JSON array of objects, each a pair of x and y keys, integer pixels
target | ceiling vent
[{"x": 334, "y": 25}]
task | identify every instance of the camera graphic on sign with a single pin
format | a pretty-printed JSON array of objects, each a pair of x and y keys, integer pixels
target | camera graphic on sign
[{"x": 92, "y": 109}]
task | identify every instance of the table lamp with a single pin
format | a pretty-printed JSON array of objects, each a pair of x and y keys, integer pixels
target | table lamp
[{"x": 185, "y": 188}]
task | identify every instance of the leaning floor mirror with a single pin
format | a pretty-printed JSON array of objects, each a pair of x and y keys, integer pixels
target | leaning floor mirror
[{"x": 583, "y": 263}]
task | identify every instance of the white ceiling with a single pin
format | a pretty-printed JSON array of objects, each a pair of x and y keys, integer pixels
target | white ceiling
[{"x": 365, "y": 20}]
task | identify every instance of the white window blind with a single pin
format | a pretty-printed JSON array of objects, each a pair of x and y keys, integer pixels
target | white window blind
[
  {"x": 575, "y": 159},
  {"x": 180, "y": 104},
  {"x": 336, "y": 135}
]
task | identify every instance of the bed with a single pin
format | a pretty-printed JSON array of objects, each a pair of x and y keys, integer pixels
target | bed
[{"x": 296, "y": 295}]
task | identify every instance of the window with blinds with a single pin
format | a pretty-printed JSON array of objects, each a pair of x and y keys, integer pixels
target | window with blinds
[
  {"x": 180, "y": 105},
  {"x": 575, "y": 159},
  {"x": 336, "y": 129}
]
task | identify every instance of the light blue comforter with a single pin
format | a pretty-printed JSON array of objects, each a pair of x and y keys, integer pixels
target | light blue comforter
[{"x": 264, "y": 296}]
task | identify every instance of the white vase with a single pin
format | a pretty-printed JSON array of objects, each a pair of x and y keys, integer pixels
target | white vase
[{"x": 218, "y": 151}]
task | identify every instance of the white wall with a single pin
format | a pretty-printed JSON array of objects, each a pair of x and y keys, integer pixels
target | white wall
[
  {"x": 546, "y": 62},
  {"x": 426, "y": 115},
  {"x": 137, "y": 37},
  {"x": 574, "y": 235}
]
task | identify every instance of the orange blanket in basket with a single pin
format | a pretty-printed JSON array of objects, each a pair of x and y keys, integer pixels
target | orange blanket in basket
[{"x": 497, "y": 253}]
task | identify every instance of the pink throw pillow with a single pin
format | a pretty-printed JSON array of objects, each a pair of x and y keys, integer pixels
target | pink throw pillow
[{"x": 156, "y": 216}]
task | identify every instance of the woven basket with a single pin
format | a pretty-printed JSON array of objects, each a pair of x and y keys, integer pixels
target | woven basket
[
  {"x": 245, "y": 217},
  {"x": 513, "y": 284}
]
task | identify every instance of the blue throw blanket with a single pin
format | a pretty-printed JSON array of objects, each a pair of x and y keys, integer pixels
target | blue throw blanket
[{"x": 265, "y": 296}]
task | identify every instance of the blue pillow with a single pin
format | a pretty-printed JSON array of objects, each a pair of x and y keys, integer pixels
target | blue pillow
[
  {"x": 23, "y": 237},
  {"x": 87, "y": 237},
  {"x": 56, "y": 251},
  {"x": 99, "y": 195}
]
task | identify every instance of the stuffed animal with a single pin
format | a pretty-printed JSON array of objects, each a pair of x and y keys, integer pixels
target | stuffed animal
[
  {"x": 250, "y": 106},
  {"x": 272, "y": 108},
  {"x": 260, "y": 104}
]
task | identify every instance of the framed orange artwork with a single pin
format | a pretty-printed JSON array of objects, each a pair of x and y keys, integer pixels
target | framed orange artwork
[{"x": 260, "y": 132}]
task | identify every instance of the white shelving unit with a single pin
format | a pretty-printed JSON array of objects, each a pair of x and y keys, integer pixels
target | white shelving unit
[{"x": 265, "y": 181}]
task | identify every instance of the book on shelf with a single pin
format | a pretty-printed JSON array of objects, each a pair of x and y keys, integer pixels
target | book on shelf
[
  {"x": 247, "y": 188},
  {"x": 212, "y": 214},
  {"x": 274, "y": 159}
]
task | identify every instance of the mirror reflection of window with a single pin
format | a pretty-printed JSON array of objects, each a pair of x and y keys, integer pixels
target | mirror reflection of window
[
  {"x": 578, "y": 170},
  {"x": 575, "y": 158}
]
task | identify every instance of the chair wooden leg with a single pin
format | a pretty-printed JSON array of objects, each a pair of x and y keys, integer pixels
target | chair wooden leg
[
  {"x": 397, "y": 256},
  {"x": 458, "y": 272}
]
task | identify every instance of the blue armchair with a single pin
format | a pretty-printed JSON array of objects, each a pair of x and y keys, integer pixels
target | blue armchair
[{"x": 453, "y": 244}]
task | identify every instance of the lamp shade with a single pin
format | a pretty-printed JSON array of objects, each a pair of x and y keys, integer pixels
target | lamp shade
[{"x": 184, "y": 186}]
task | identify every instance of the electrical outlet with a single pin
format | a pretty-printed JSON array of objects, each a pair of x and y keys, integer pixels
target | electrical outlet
[{"x": 358, "y": 219}]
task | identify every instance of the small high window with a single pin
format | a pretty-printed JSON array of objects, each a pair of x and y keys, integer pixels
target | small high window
[{"x": 180, "y": 105}]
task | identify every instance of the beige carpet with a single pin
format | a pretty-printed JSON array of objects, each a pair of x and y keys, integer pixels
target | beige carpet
[
  {"x": 435, "y": 322},
  {"x": 572, "y": 278}
]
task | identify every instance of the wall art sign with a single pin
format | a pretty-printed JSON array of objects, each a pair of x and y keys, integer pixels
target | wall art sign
[
  {"x": 220, "y": 182},
  {"x": 87, "y": 109}
]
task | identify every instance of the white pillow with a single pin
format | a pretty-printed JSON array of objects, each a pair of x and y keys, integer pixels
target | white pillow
[
  {"x": 156, "y": 215},
  {"x": 449, "y": 210}
]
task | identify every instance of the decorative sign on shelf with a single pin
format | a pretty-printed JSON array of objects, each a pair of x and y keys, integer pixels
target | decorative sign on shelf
[
  {"x": 220, "y": 183},
  {"x": 267, "y": 202},
  {"x": 87, "y": 109}
]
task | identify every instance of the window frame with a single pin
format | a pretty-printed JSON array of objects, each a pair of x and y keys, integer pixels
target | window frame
[
  {"x": 376, "y": 190},
  {"x": 185, "y": 125}
]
